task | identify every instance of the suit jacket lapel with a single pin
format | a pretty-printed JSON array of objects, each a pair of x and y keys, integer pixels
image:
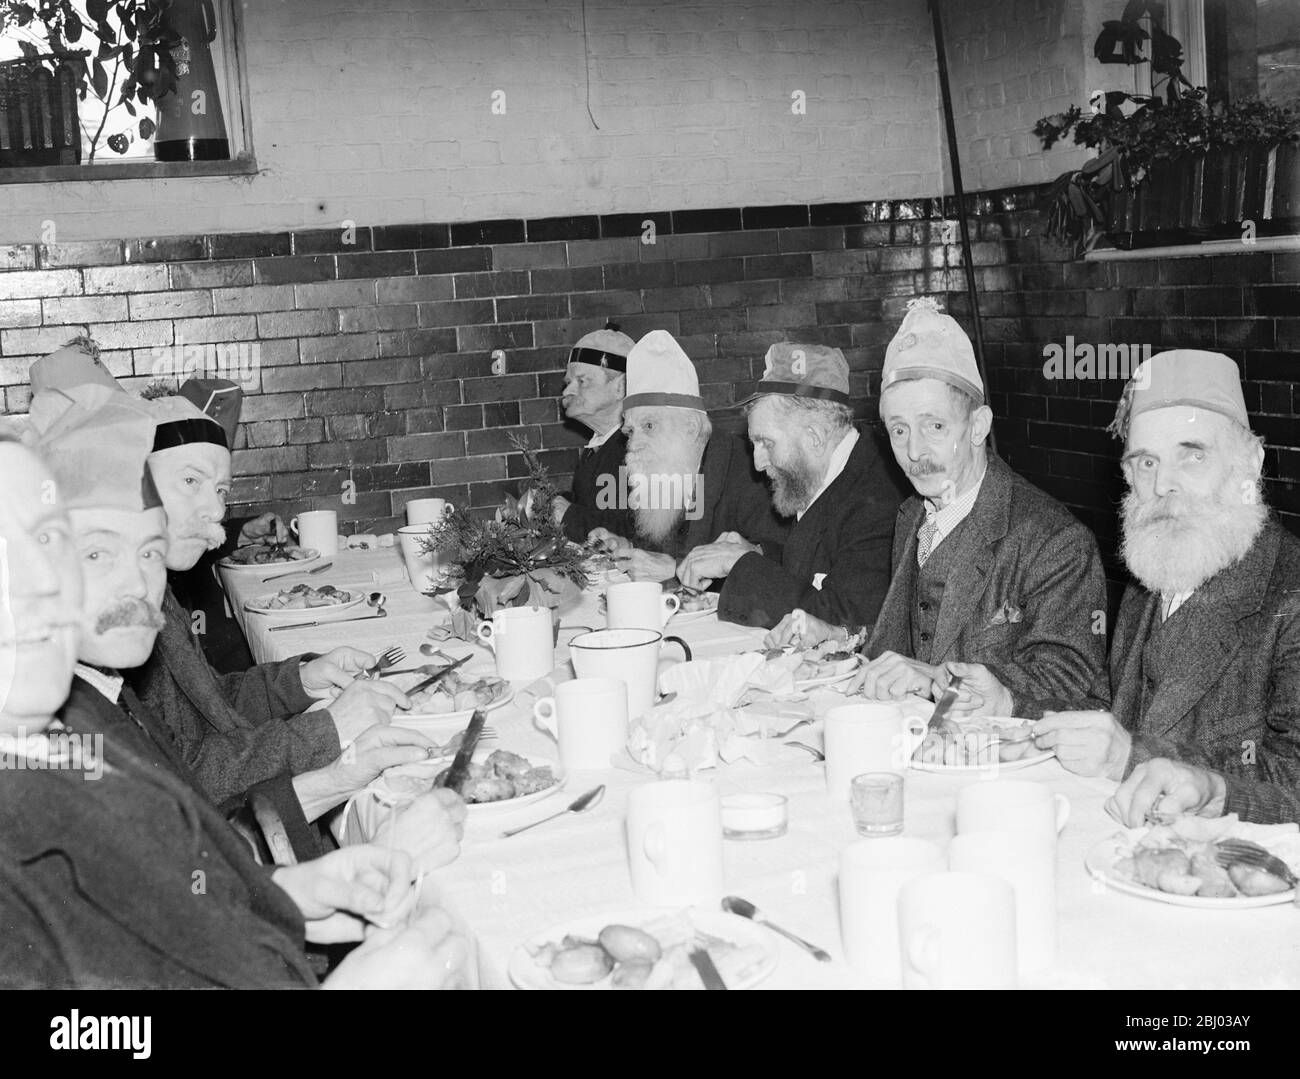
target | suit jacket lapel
[
  {"x": 972, "y": 558},
  {"x": 891, "y": 633}
]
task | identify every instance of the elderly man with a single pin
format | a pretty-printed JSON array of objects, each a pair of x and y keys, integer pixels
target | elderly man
[
  {"x": 833, "y": 482},
  {"x": 133, "y": 880},
  {"x": 594, "y": 382},
  {"x": 685, "y": 483},
  {"x": 992, "y": 578},
  {"x": 1205, "y": 656}
]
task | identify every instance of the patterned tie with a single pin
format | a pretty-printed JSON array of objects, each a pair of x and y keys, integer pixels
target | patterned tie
[{"x": 925, "y": 539}]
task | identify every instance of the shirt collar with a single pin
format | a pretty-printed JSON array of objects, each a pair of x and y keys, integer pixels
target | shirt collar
[
  {"x": 110, "y": 685},
  {"x": 839, "y": 461},
  {"x": 597, "y": 441}
]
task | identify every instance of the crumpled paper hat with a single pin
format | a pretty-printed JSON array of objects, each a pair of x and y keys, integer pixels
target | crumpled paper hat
[
  {"x": 659, "y": 373},
  {"x": 930, "y": 344},
  {"x": 96, "y": 442},
  {"x": 804, "y": 371},
  {"x": 76, "y": 364},
  {"x": 180, "y": 422},
  {"x": 603, "y": 348},
  {"x": 219, "y": 399},
  {"x": 1182, "y": 376}
]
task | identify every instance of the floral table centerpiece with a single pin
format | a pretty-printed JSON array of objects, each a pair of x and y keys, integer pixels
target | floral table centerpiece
[{"x": 518, "y": 557}]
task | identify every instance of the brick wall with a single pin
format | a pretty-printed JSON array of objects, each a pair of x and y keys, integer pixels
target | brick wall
[{"x": 380, "y": 112}]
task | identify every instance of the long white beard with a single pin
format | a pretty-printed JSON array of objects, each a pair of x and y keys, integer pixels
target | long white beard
[
  {"x": 659, "y": 481},
  {"x": 1176, "y": 543}
]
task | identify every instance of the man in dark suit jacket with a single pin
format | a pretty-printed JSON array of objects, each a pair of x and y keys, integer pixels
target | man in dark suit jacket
[
  {"x": 1205, "y": 659},
  {"x": 834, "y": 484}
]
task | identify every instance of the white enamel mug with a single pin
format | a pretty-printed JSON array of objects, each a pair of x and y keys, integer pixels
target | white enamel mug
[
  {"x": 639, "y": 605},
  {"x": 588, "y": 718},
  {"x": 870, "y": 737},
  {"x": 422, "y": 569},
  {"x": 674, "y": 839},
  {"x": 1015, "y": 804},
  {"x": 957, "y": 931},
  {"x": 317, "y": 530},
  {"x": 629, "y": 655},
  {"x": 523, "y": 641},
  {"x": 423, "y": 511}
]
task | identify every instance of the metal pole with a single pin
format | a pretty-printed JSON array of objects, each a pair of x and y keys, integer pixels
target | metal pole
[{"x": 960, "y": 193}]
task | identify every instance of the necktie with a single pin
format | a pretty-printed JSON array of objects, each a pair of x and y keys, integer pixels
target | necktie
[{"x": 925, "y": 540}]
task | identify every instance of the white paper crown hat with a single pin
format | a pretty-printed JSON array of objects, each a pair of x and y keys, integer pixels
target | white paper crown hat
[
  {"x": 930, "y": 344},
  {"x": 660, "y": 373}
]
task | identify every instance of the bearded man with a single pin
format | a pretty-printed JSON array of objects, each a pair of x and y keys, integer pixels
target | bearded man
[
  {"x": 684, "y": 483},
  {"x": 97, "y": 879},
  {"x": 833, "y": 483},
  {"x": 1205, "y": 657},
  {"x": 594, "y": 382}
]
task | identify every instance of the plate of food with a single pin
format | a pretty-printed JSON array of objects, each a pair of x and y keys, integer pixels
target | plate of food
[
  {"x": 982, "y": 745},
  {"x": 1175, "y": 863},
  {"x": 457, "y": 696},
  {"x": 820, "y": 667},
  {"x": 695, "y": 606},
  {"x": 257, "y": 556},
  {"x": 647, "y": 948},
  {"x": 318, "y": 599},
  {"x": 499, "y": 780}
]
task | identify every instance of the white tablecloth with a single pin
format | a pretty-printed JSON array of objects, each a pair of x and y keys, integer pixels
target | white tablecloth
[{"x": 507, "y": 890}]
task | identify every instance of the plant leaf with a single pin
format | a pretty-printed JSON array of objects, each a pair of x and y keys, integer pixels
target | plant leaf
[
  {"x": 97, "y": 10},
  {"x": 147, "y": 127},
  {"x": 99, "y": 79},
  {"x": 72, "y": 26}
]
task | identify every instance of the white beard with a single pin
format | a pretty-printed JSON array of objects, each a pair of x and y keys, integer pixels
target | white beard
[
  {"x": 659, "y": 479},
  {"x": 1175, "y": 544}
]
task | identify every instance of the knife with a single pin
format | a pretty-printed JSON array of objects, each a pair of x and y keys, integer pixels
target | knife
[
  {"x": 454, "y": 777},
  {"x": 703, "y": 964},
  {"x": 439, "y": 676},
  {"x": 945, "y": 704},
  {"x": 331, "y": 621}
]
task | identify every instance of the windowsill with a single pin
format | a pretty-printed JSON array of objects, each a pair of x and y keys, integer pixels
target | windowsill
[
  {"x": 128, "y": 170},
  {"x": 1208, "y": 247}
]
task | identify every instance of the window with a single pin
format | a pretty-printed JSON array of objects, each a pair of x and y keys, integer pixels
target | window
[{"x": 86, "y": 85}]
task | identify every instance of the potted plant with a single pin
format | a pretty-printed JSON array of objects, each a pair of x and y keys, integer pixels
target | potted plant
[{"x": 1176, "y": 162}]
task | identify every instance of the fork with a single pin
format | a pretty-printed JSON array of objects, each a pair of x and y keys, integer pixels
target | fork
[
  {"x": 1230, "y": 852},
  {"x": 386, "y": 659}
]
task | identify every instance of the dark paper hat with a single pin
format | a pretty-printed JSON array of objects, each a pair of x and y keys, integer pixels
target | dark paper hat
[
  {"x": 180, "y": 422},
  {"x": 795, "y": 370},
  {"x": 218, "y": 398}
]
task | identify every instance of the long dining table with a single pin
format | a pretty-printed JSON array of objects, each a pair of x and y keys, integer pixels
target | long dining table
[{"x": 504, "y": 891}]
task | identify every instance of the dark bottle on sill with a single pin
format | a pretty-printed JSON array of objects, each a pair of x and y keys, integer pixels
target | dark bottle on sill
[{"x": 191, "y": 126}]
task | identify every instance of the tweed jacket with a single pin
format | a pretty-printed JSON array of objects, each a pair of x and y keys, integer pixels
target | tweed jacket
[
  {"x": 133, "y": 880},
  {"x": 834, "y": 562},
  {"x": 1029, "y": 601},
  {"x": 1236, "y": 709},
  {"x": 235, "y": 730}
]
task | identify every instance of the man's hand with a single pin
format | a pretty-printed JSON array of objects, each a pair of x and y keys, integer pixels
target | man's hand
[
  {"x": 363, "y": 704},
  {"x": 336, "y": 891},
  {"x": 891, "y": 677},
  {"x": 710, "y": 562},
  {"x": 267, "y": 527},
  {"x": 1086, "y": 743},
  {"x": 429, "y": 829},
  {"x": 602, "y": 539},
  {"x": 1161, "y": 788},
  {"x": 648, "y": 566},
  {"x": 980, "y": 692},
  {"x": 326, "y": 675},
  {"x": 375, "y": 749},
  {"x": 425, "y": 954},
  {"x": 559, "y": 507},
  {"x": 802, "y": 630}
]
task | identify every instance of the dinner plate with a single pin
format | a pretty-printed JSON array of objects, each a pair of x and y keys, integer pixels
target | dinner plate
[
  {"x": 1033, "y": 758},
  {"x": 431, "y": 768},
  {"x": 313, "y": 556},
  {"x": 685, "y": 618},
  {"x": 455, "y": 721},
  {"x": 1100, "y": 863},
  {"x": 830, "y": 679},
  {"x": 526, "y": 973},
  {"x": 302, "y": 612}
]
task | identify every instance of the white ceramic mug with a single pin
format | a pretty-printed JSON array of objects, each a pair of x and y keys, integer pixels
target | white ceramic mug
[
  {"x": 588, "y": 717},
  {"x": 872, "y": 871},
  {"x": 1017, "y": 804},
  {"x": 1028, "y": 863},
  {"x": 422, "y": 569},
  {"x": 317, "y": 530},
  {"x": 523, "y": 641},
  {"x": 957, "y": 931},
  {"x": 423, "y": 511},
  {"x": 629, "y": 655},
  {"x": 674, "y": 839},
  {"x": 871, "y": 737},
  {"x": 639, "y": 605}
]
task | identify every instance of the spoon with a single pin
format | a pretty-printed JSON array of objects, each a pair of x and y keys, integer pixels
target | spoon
[
  {"x": 578, "y": 805},
  {"x": 743, "y": 907},
  {"x": 427, "y": 649},
  {"x": 817, "y": 753}
]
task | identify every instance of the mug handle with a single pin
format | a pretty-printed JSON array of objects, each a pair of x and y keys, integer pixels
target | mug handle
[
  {"x": 293, "y": 526},
  {"x": 672, "y": 604},
  {"x": 486, "y": 633},
  {"x": 1062, "y": 811},
  {"x": 923, "y": 948},
  {"x": 654, "y": 846},
  {"x": 686, "y": 648},
  {"x": 544, "y": 714}
]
